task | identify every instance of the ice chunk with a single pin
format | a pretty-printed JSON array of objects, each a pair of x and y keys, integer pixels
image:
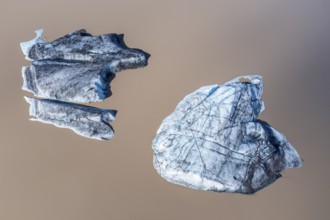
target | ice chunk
[{"x": 214, "y": 141}]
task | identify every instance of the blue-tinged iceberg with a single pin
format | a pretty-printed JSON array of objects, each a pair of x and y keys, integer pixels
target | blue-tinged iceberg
[{"x": 214, "y": 140}]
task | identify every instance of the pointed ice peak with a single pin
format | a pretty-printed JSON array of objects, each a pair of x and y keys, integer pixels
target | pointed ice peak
[
  {"x": 254, "y": 79},
  {"x": 26, "y": 46}
]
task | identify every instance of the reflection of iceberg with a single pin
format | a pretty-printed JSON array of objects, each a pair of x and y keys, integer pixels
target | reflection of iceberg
[
  {"x": 214, "y": 141},
  {"x": 84, "y": 120}
]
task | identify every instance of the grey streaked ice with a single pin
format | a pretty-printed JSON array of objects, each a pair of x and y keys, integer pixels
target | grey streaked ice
[
  {"x": 77, "y": 67},
  {"x": 214, "y": 140},
  {"x": 86, "y": 121}
]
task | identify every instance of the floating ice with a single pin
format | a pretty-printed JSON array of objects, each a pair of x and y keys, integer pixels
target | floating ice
[
  {"x": 214, "y": 141},
  {"x": 77, "y": 67}
]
